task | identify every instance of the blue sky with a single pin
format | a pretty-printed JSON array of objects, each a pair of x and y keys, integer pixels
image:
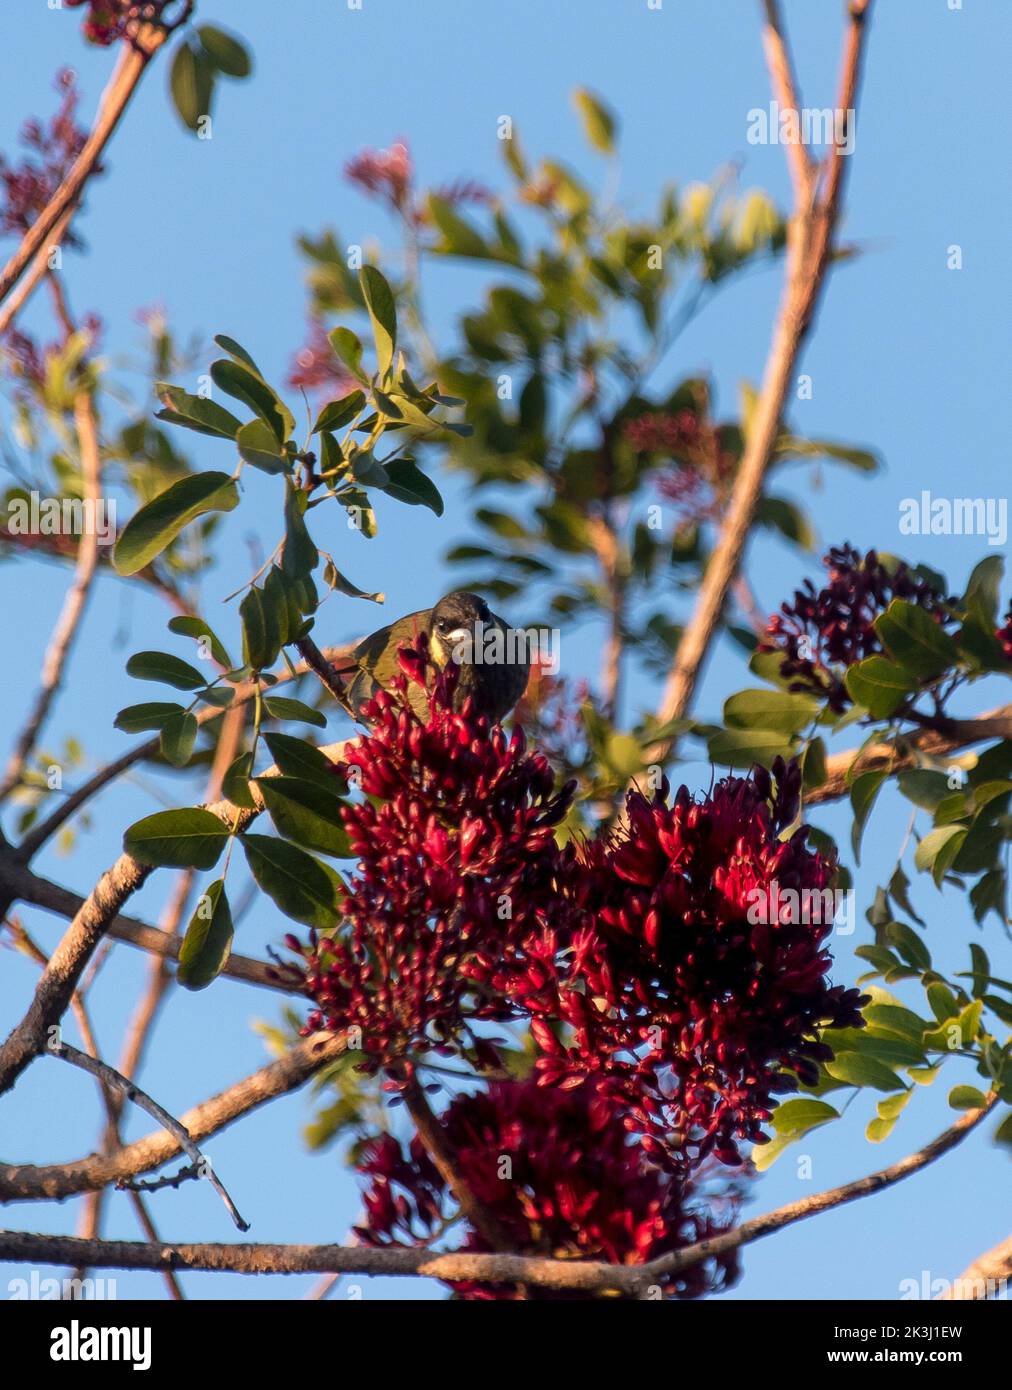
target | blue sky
[{"x": 906, "y": 358}]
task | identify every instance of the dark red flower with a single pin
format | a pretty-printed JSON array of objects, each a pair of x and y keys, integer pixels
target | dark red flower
[
  {"x": 28, "y": 187},
  {"x": 388, "y": 173},
  {"x": 823, "y": 632},
  {"x": 457, "y": 865},
  {"x": 694, "y": 986},
  {"x": 701, "y": 463},
  {"x": 560, "y": 1179},
  {"x": 1004, "y": 635},
  {"x": 109, "y": 20}
]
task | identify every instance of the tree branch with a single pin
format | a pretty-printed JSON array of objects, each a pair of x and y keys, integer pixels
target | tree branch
[
  {"x": 987, "y": 1275},
  {"x": 591, "y": 1277},
  {"x": 113, "y": 1079},
  {"x": 901, "y": 754},
  {"x": 433, "y": 1136},
  {"x": 785, "y": 89},
  {"x": 133, "y": 60},
  {"x": 29, "y": 1182},
  {"x": 20, "y": 884},
  {"x": 809, "y": 240}
]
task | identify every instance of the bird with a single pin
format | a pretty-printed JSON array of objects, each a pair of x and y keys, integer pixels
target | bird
[{"x": 493, "y": 658}]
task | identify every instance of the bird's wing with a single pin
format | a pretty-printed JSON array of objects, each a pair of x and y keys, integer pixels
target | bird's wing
[{"x": 376, "y": 655}]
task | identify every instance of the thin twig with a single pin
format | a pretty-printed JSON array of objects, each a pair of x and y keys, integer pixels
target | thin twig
[
  {"x": 68, "y": 625},
  {"x": 114, "y": 1079},
  {"x": 433, "y": 1136},
  {"x": 30, "y": 1182}
]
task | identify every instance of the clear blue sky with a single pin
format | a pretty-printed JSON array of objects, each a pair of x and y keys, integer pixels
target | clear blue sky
[{"x": 907, "y": 358}]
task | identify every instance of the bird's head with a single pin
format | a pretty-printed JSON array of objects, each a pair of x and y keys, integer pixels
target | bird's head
[{"x": 452, "y": 628}]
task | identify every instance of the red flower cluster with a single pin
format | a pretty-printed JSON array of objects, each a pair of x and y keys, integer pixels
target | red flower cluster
[
  {"x": 559, "y": 1178},
  {"x": 317, "y": 368},
  {"x": 457, "y": 865},
  {"x": 387, "y": 173},
  {"x": 29, "y": 186},
  {"x": 109, "y": 20},
  {"x": 1004, "y": 635},
  {"x": 692, "y": 983},
  {"x": 702, "y": 464},
  {"x": 823, "y": 632}
]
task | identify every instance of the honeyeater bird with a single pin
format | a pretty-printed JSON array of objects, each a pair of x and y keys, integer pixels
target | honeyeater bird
[{"x": 493, "y": 658}]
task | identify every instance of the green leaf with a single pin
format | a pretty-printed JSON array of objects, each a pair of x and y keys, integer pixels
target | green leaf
[
  {"x": 863, "y": 791},
  {"x": 889, "y": 1111},
  {"x": 598, "y": 120},
  {"x": 235, "y": 783},
  {"x": 195, "y": 412},
  {"x": 301, "y": 886},
  {"x": 915, "y": 640},
  {"x": 765, "y": 1155},
  {"x": 162, "y": 666},
  {"x": 179, "y": 734},
  {"x": 238, "y": 352},
  {"x": 379, "y": 301},
  {"x": 297, "y": 758},
  {"x": 459, "y": 237},
  {"x": 281, "y": 707},
  {"x": 788, "y": 518},
  {"x": 409, "y": 484},
  {"x": 857, "y": 1070},
  {"x": 909, "y": 945},
  {"x": 1003, "y": 1134},
  {"x": 893, "y": 1018},
  {"x": 187, "y": 626},
  {"x": 191, "y": 82},
  {"x": 157, "y": 525},
  {"x": 334, "y": 579},
  {"x": 797, "y": 1117},
  {"x": 938, "y": 849},
  {"x": 258, "y": 445},
  {"x": 304, "y": 811},
  {"x": 770, "y": 710},
  {"x": 239, "y": 381},
  {"x": 349, "y": 348},
  {"x": 967, "y": 1098},
  {"x": 136, "y": 719},
  {"x": 261, "y": 637},
  {"x": 742, "y": 747},
  {"x": 337, "y": 413},
  {"x": 188, "y": 838},
  {"x": 880, "y": 685},
  {"x": 924, "y": 788},
  {"x": 208, "y": 939},
  {"x": 983, "y": 591},
  {"x": 225, "y": 51},
  {"x": 942, "y": 1001},
  {"x": 300, "y": 555}
]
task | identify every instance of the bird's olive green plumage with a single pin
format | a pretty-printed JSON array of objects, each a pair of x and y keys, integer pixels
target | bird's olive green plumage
[{"x": 453, "y": 627}]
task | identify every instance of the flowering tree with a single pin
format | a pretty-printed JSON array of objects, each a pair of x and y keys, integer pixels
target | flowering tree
[{"x": 561, "y": 1010}]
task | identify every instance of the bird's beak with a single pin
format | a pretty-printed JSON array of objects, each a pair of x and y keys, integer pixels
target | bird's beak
[{"x": 458, "y": 644}]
